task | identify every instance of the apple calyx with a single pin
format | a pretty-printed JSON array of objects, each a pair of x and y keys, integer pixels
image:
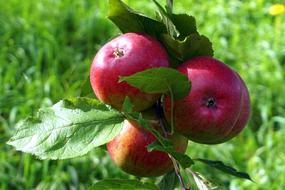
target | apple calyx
[
  {"x": 118, "y": 53},
  {"x": 211, "y": 103}
]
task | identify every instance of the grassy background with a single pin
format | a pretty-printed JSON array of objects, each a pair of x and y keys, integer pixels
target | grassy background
[{"x": 46, "y": 48}]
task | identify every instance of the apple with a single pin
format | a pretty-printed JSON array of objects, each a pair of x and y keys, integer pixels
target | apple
[
  {"x": 217, "y": 107},
  {"x": 244, "y": 114},
  {"x": 128, "y": 150},
  {"x": 123, "y": 56}
]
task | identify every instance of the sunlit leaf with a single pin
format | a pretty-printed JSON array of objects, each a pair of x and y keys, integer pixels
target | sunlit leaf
[{"x": 70, "y": 128}]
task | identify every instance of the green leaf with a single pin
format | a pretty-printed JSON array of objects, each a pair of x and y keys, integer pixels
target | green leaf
[
  {"x": 145, "y": 123},
  {"x": 122, "y": 184},
  {"x": 70, "y": 128},
  {"x": 160, "y": 80},
  {"x": 178, "y": 26},
  {"x": 168, "y": 182},
  {"x": 225, "y": 168},
  {"x": 178, "y": 32},
  {"x": 127, "y": 105},
  {"x": 184, "y": 160},
  {"x": 157, "y": 146},
  {"x": 166, "y": 20},
  {"x": 185, "y": 24},
  {"x": 128, "y": 20},
  {"x": 192, "y": 46}
]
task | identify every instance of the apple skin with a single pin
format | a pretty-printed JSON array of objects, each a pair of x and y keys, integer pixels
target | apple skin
[
  {"x": 123, "y": 56},
  {"x": 244, "y": 114},
  {"x": 128, "y": 150},
  {"x": 217, "y": 107}
]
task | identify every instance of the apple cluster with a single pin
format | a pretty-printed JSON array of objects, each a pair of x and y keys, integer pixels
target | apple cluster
[{"x": 216, "y": 109}]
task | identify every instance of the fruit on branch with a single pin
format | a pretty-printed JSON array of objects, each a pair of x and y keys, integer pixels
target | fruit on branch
[
  {"x": 217, "y": 107},
  {"x": 123, "y": 56},
  {"x": 244, "y": 114},
  {"x": 128, "y": 150}
]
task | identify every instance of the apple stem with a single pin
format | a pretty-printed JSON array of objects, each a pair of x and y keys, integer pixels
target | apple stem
[
  {"x": 160, "y": 114},
  {"x": 178, "y": 174},
  {"x": 171, "y": 112},
  {"x": 169, "y": 6}
]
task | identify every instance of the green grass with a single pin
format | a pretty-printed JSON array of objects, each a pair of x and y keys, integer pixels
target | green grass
[{"x": 46, "y": 48}]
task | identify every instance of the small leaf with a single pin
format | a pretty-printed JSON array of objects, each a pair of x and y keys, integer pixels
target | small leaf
[
  {"x": 160, "y": 80},
  {"x": 192, "y": 46},
  {"x": 127, "y": 20},
  {"x": 184, "y": 160},
  {"x": 166, "y": 19},
  {"x": 168, "y": 182},
  {"x": 145, "y": 123},
  {"x": 178, "y": 26},
  {"x": 138, "y": 117},
  {"x": 127, "y": 105},
  {"x": 225, "y": 168},
  {"x": 70, "y": 128},
  {"x": 185, "y": 24},
  {"x": 157, "y": 146},
  {"x": 122, "y": 184}
]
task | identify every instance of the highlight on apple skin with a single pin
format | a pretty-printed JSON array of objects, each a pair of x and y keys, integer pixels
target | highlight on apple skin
[
  {"x": 218, "y": 105},
  {"x": 129, "y": 152},
  {"x": 123, "y": 56}
]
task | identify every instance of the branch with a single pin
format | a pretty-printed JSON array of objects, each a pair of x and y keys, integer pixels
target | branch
[
  {"x": 169, "y": 6},
  {"x": 162, "y": 120}
]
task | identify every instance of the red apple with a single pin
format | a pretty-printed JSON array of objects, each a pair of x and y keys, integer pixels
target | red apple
[
  {"x": 123, "y": 56},
  {"x": 128, "y": 150},
  {"x": 217, "y": 107},
  {"x": 244, "y": 114}
]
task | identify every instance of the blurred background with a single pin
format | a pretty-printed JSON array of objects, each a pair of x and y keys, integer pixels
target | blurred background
[{"x": 46, "y": 48}]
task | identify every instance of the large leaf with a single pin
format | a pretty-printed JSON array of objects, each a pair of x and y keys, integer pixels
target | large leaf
[
  {"x": 128, "y": 20},
  {"x": 68, "y": 129},
  {"x": 122, "y": 184},
  {"x": 192, "y": 46},
  {"x": 224, "y": 168},
  {"x": 184, "y": 160},
  {"x": 160, "y": 80},
  {"x": 168, "y": 182}
]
